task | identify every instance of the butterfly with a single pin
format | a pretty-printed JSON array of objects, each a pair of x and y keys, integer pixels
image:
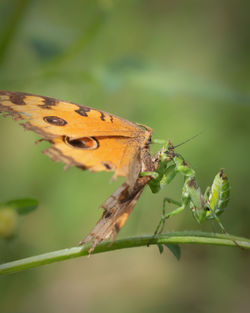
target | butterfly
[
  {"x": 89, "y": 139},
  {"x": 81, "y": 136}
]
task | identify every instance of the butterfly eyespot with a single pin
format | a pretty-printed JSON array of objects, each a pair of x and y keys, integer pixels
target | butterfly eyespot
[
  {"x": 85, "y": 143},
  {"x": 55, "y": 120}
]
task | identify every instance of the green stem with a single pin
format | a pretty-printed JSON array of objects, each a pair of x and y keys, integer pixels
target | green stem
[{"x": 193, "y": 237}]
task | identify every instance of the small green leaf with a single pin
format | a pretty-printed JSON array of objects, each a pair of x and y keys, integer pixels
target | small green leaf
[
  {"x": 175, "y": 249},
  {"x": 22, "y": 206},
  {"x": 160, "y": 247}
]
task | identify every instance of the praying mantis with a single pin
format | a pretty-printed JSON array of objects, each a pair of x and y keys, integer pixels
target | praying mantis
[{"x": 205, "y": 206}]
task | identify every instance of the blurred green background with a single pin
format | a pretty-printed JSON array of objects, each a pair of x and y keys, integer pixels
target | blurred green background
[{"x": 177, "y": 66}]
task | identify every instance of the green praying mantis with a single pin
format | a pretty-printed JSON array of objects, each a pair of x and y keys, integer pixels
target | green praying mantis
[{"x": 207, "y": 206}]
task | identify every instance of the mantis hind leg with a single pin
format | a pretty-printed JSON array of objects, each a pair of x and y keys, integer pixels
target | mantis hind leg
[
  {"x": 166, "y": 215},
  {"x": 224, "y": 230}
]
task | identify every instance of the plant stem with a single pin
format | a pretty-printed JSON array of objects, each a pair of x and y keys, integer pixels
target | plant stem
[{"x": 193, "y": 237}]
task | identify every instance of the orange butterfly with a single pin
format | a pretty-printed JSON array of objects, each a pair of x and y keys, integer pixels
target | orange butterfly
[
  {"x": 82, "y": 136},
  {"x": 89, "y": 139}
]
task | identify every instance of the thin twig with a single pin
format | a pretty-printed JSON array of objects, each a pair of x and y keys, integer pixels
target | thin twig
[{"x": 191, "y": 237}]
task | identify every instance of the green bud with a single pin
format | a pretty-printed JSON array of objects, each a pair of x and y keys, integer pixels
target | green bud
[{"x": 8, "y": 222}]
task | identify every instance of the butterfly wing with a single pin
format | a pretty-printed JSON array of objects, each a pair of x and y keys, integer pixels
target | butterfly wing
[
  {"x": 117, "y": 154},
  {"x": 80, "y": 135},
  {"x": 50, "y": 117},
  {"x": 117, "y": 209}
]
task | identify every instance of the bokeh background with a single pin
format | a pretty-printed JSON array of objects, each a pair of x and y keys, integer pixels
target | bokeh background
[{"x": 178, "y": 66}]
